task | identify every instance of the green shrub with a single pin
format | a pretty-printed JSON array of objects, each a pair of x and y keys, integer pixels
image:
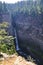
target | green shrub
[{"x": 6, "y": 41}]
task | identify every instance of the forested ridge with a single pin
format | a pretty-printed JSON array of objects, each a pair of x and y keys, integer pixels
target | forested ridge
[{"x": 29, "y": 5}]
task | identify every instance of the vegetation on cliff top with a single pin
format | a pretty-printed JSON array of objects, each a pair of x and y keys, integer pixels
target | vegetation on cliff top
[{"x": 6, "y": 41}]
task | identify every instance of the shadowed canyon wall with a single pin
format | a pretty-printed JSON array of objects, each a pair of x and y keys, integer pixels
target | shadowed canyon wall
[{"x": 30, "y": 32}]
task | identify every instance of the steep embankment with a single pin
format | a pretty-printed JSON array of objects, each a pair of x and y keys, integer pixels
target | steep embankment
[
  {"x": 30, "y": 32},
  {"x": 29, "y": 26}
]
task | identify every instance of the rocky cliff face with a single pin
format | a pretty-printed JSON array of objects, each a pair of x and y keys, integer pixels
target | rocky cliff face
[{"x": 30, "y": 32}]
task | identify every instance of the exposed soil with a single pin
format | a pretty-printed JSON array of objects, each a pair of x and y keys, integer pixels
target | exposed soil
[
  {"x": 8, "y": 61},
  {"x": 15, "y": 60}
]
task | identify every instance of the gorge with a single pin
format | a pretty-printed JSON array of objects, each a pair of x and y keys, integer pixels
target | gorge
[{"x": 26, "y": 19}]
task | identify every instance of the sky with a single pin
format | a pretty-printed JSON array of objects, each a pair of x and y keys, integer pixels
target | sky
[{"x": 11, "y": 1}]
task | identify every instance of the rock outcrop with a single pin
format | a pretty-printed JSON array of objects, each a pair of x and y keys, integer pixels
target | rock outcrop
[{"x": 14, "y": 60}]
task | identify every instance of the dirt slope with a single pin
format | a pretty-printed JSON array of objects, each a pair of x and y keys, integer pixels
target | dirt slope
[{"x": 15, "y": 60}]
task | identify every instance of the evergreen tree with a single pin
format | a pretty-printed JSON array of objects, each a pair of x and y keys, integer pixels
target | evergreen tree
[
  {"x": 4, "y": 7},
  {"x": 0, "y": 7},
  {"x": 0, "y": 11}
]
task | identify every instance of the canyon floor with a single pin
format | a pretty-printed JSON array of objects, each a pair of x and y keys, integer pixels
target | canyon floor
[{"x": 14, "y": 60}]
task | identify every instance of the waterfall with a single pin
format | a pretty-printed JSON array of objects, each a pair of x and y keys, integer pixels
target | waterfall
[
  {"x": 18, "y": 49},
  {"x": 17, "y": 45}
]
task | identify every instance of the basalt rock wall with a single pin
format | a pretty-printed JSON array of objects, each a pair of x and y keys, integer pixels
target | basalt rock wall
[{"x": 30, "y": 31}]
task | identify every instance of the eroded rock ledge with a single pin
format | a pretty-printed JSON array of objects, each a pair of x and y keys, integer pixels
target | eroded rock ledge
[{"x": 14, "y": 60}]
